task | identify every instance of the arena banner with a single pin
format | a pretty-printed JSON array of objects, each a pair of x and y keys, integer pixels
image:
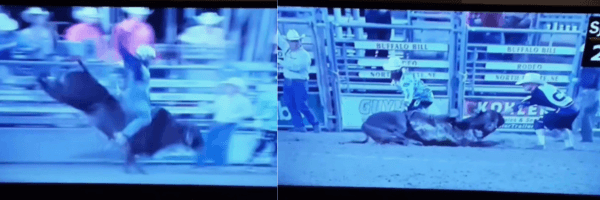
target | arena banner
[
  {"x": 402, "y": 46},
  {"x": 521, "y": 120},
  {"x": 356, "y": 109},
  {"x": 314, "y": 103},
  {"x": 540, "y": 67},
  {"x": 517, "y": 77},
  {"x": 437, "y": 64},
  {"x": 372, "y": 74},
  {"x": 518, "y": 49}
]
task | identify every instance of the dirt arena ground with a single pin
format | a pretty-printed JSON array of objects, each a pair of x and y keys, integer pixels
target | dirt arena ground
[
  {"x": 157, "y": 174},
  {"x": 319, "y": 160},
  {"x": 80, "y": 156}
]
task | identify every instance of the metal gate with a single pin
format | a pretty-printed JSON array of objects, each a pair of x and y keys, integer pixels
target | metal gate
[
  {"x": 493, "y": 69},
  {"x": 365, "y": 88}
]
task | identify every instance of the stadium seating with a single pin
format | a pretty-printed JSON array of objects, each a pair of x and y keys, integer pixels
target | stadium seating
[{"x": 34, "y": 107}]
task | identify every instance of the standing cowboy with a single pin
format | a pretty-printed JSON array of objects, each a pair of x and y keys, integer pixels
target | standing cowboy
[
  {"x": 229, "y": 110},
  {"x": 88, "y": 29},
  {"x": 561, "y": 109},
  {"x": 207, "y": 32},
  {"x": 295, "y": 63},
  {"x": 589, "y": 85},
  {"x": 133, "y": 32},
  {"x": 38, "y": 40}
]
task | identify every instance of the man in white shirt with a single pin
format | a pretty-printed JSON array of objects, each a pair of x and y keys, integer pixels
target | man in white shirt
[
  {"x": 229, "y": 110},
  {"x": 295, "y": 63},
  {"x": 561, "y": 109}
]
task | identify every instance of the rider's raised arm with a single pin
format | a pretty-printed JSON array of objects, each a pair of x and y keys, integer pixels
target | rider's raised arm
[{"x": 131, "y": 63}]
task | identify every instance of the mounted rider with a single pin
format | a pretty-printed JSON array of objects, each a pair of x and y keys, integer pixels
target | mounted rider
[{"x": 417, "y": 96}]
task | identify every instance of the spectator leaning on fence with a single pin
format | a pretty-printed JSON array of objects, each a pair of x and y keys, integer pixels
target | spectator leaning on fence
[
  {"x": 38, "y": 40},
  {"x": 516, "y": 21},
  {"x": 487, "y": 20},
  {"x": 589, "y": 84},
  {"x": 133, "y": 32},
  {"x": 88, "y": 29},
  {"x": 207, "y": 32},
  {"x": 296, "y": 62},
  {"x": 8, "y": 37},
  {"x": 378, "y": 17},
  {"x": 230, "y": 109}
]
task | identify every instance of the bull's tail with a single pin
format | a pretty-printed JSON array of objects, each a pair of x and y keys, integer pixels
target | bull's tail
[{"x": 364, "y": 126}]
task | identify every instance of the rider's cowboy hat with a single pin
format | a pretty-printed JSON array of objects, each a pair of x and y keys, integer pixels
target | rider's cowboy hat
[
  {"x": 33, "y": 11},
  {"x": 209, "y": 18},
  {"x": 238, "y": 82},
  {"x": 137, "y": 10},
  {"x": 394, "y": 63},
  {"x": 531, "y": 78},
  {"x": 8, "y": 24},
  {"x": 293, "y": 35},
  {"x": 86, "y": 13}
]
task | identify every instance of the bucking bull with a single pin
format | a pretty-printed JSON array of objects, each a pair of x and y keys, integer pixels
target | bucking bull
[
  {"x": 417, "y": 128},
  {"x": 80, "y": 90}
]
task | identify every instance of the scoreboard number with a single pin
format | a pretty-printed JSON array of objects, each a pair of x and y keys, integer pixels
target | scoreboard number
[
  {"x": 597, "y": 56},
  {"x": 591, "y": 50}
]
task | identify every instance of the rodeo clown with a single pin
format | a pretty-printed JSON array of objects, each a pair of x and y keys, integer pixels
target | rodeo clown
[
  {"x": 417, "y": 96},
  {"x": 561, "y": 109}
]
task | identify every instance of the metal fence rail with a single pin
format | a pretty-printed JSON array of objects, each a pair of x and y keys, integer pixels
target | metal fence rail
[{"x": 363, "y": 88}]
